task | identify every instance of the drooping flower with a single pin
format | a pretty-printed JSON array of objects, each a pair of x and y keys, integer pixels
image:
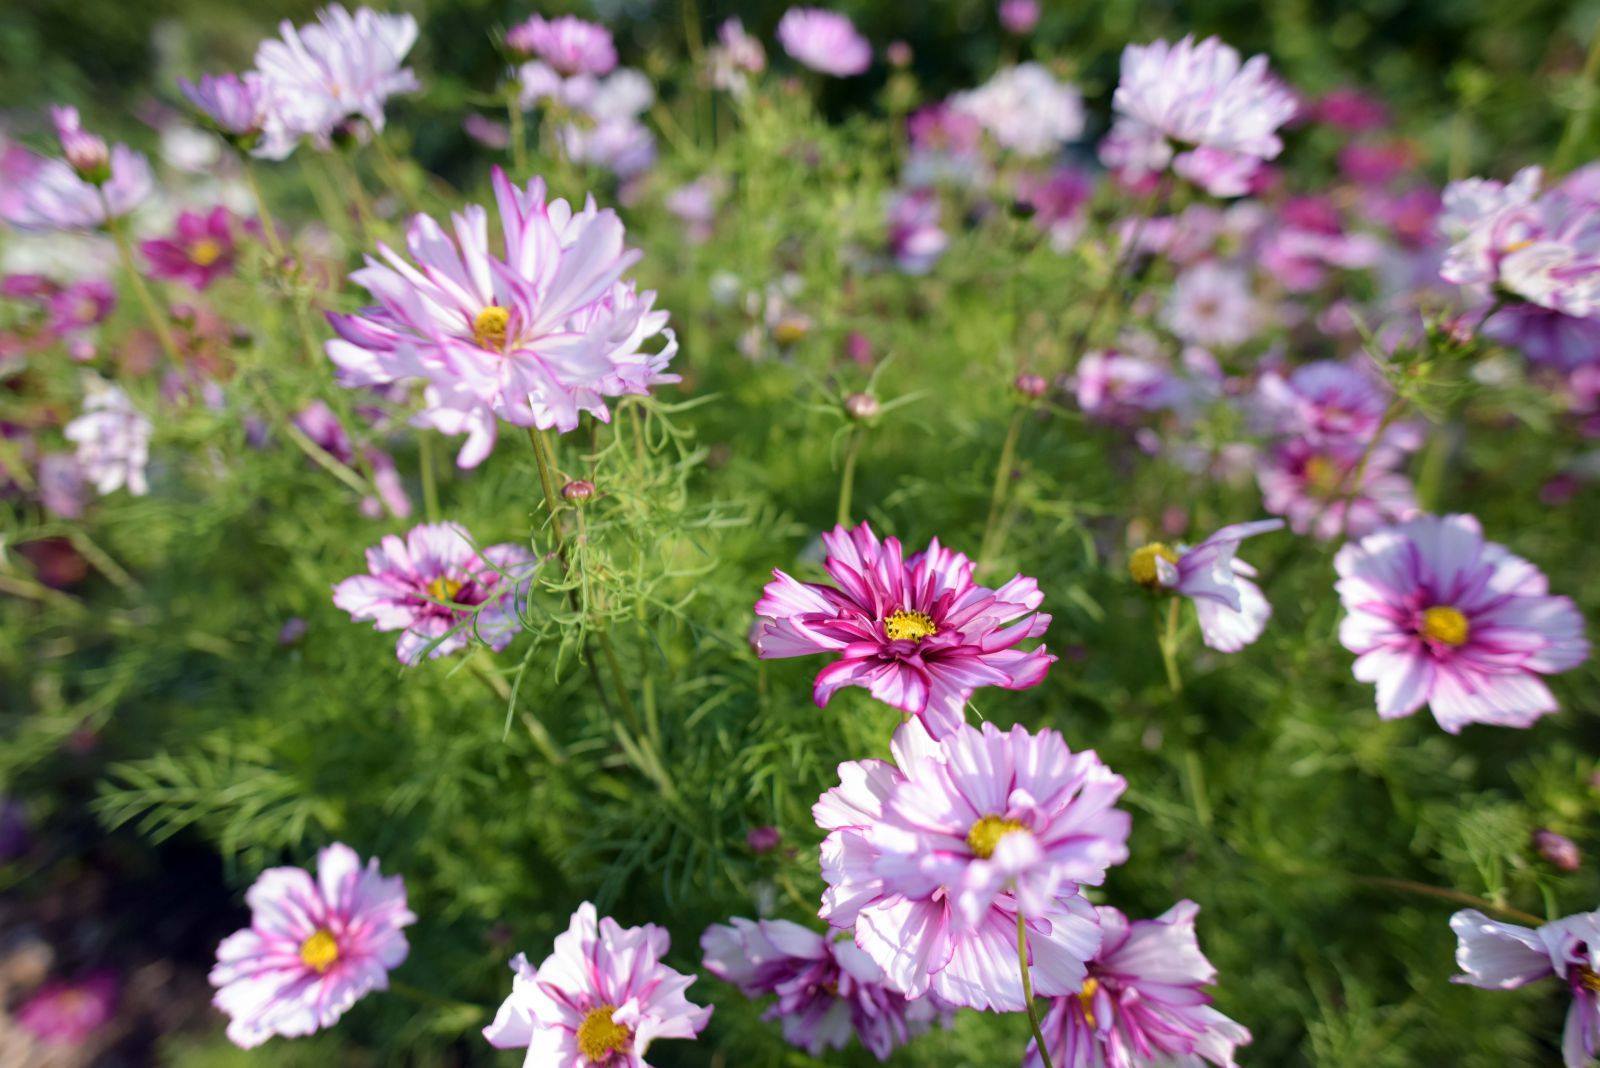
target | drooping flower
[
  {"x": 827, "y": 989},
  {"x": 1438, "y": 616},
  {"x": 917, "y": 633},
  {"x": 569, "y": 44},
  {"x": 1315, "y": 484},
  {"x": 1144, "y": 1004},
  {"x": 235, "y": 106},
  {"x": 68, "y": 1013},
  {"x": 599, "y": 1001},
  {"x": 932, "y": 861},
  {"x": 1025, "y": 109},
  {"x": 201, "y": 249},
  {"x": 1211, "y": 304},
  {"x": 112, "y": 439},
  {"x": 315, "y": 946},
  {"x": 1503, "y": 956},
  {"x": 342, "y": 67},
  {"x": 60, "y": 194},
  {"x": 825, "y": 41},
  {"x": 916, "y": 239},
  {"x": 534, "y": 332},
  {"x": 439, "y": 589},
  {"x": 1231, "y": 608},
  {"x": 1201, "y": 96}
]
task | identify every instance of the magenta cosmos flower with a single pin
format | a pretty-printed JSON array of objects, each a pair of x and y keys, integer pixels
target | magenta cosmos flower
[
  {"x": 827, "y": 989},
  {"x": 1315, "y": 484},
  {"x": 918, "y": 634},
  {"x": 569, "y": 44},
  {"x": 825, "y": 41},
  {"x": 314, "y": 947},
  {"x": 234, "y": 106},
  {"x": 63, "y": 1013},
  {"x": 1144, "y": 1004},
  {"x": 1438, "y": 616},
  {"x": 1503, "y": 956},
  {"x": 1329, "y": 401},
  {"x": 200, "y": 250},
  {"x": 933, "y": 861},
  {"x": 1201, "y": 96},
  {"x": 532, "y": 332},
  {"x": 438, "y": 588},
  {"x": 85, "y": 190},
  {"x": 600, "y": 999},
  {"x": 342, "y": 67},
  {"x": 1230, "y": 607}
]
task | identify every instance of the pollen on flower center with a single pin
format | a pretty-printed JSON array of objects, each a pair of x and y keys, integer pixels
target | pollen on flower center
[
  {"x": 319, "y": 952},
  {"x": 1091, "y": 986},
  {"x": 599, "y": 1036},
  {"x": 1142, "y": 564},
  {"x": 907, "y": 624},
  {"x": 489, "y": 327},
  {"x": 1323, "y": 476},
  {"x": 205, "y": 252},
  {"x": 985, "y": 835},
  {"x": 443, "y": 589},
  {"x": 1587, "y": 978},
  {"x": 1445, "y": 625}
]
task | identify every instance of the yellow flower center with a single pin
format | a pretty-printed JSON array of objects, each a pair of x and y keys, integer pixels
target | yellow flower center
[
  {"x": 907, "y": 624},
  {"x": 205, "y": 252},
  {"x": 790, "y": 329},
  {"x": 1142, "y": 564},
  {"x": 319, "y": 952},
  {"x": 1518, "y": 246},
  {"x": 1445, "y": 624},
  {"x": 985, "y": 835},
  {"x": 1091, "y": 985},
  {"x": 1323, "y": 476},
  {"x": 1588, "y": 979},
  {"x": 443, "y": 589},
  {"x": 599, "y": 1036},
  {"x": 489, "y": 327}
]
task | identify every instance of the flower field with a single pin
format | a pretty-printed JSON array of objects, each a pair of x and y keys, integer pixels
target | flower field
[{"x": 736, "y": 541}]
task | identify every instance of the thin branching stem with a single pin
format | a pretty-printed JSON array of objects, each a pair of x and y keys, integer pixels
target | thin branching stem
[
  {"x": 153, "y": 311},
  {"x": 847, "y": 477},
  {"x": 1027, "y": 990}
]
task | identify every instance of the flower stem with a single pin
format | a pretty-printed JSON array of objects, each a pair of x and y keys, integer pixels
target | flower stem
[
  {"x": 1027, "y": 990},
  {"x": 147, "y": 300},
  {"x": 847, "y": 479},
  {"x": 989, "y": 544},
  {"x": 430, "y": 488},
  {"x": 269, "y": 226},
  {"x": 1168, "y": 640},
  {"x": 515, "y": 133},
  {"x": 1407, "y": 886},
  {"x": 1578, "y": 123}
]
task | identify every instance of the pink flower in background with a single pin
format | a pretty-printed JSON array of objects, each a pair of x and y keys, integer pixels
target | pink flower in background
[
  {"x": 1376, "y": 163},
  {"x": 1125, "y": 390},
  {"x": 437, "y": 588},
  {"x": 827, "y": 990},
  {"x": 1329, "y": 401},
  {"x": 490, "y": 133},
  {"x": 1059, "y": 201},
  {"x": 63, "y": 1013},
  {"x": 1212, "y": 305},
  {"x": 916, "y": 239},
  {"x": 695, "y": 205},
  {"x": 1144, "y": 1004},
  {"x": 1438, "y": 616},
  {"x": 1201, "y": 96},
  {"x": 1503, "y": 956},
  {"x": 1231, "y": 608},
  {"x": 112, "y": 439},
  {"x": 62, "y": 489},
  {"x": 1545, "y": 337},
  {"x": 1583, "y": 398},
  {"x": 1019, "y": 16},
  {"x": 735, "y": 57},
  {"x": 534, "y": 332},
  {"x": 235, "y": 106},
  {"x": 318, "y": 422},
  {"x": 825, "y": 41},
  {"x": 1025, "y": 109},
  {"x": 1313, "y": 485},
  {"x": 602, "y": 998},
  {"x": 342, "y": 67},
  {"x": 917, "y": 633},
  {"x": 569, "y": 44},
  {"x": 200, "y": 250},
  {"x": 85, "y": 152},
  {"x": 1351, "y": 110},
  {"x": 50, "y": 194},
  {"x": 80, "y": 306},
  {"x": 932, "y": 861},
  {"x": 315, "y": 946}
]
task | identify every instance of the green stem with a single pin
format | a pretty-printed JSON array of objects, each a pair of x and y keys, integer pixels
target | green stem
[
  {"x": 430, "y": 488},
  {"x": 847, "y": 479},
  {"x": 1407, "y": 886},
  {"x": 147, "y": 300},
  {"x": 351, "y": 180},
  {"x": 1169, "y": 645},
  {"x": 1577, "y": 130},
  {"x": 1027, "y": 990},
  {"x": 515, "y": 133},
  {"x": 394, "y": 174},
  {"x": 989, "y": 543},
  {"x": 269, "y": 226}
]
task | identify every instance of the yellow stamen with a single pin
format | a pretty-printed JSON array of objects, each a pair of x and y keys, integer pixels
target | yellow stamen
[
  {"x": 599, "y": 1036},
  {"x": 1091, "y": 986},
  {"x": 1518, "y": 246},
  {"x": 319, "y": 952},
  {"x": 985, "y": 835},
  {"x": 1323, "y": 476},
  {"x": 443, "y": 589},
  {"x": 1445, "y": 624},
  {"x": 907, "y": 624},
  {"x": 489, "y": 327},
  {"x": 790, "y": 329},
  {"x": 1142, "y": 564},
  {"x": 205, "y": 252},
  {"x": 1588, "y": 979}
]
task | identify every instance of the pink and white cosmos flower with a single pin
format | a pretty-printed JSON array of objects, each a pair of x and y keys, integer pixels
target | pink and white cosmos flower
[
  {"x": 1231, "y": 608},
  {"x": 1201, "y": 96},
  {"x": 439, "y": 589},
  {"x": 1438, "y": 616},
  {"x": 825, "y": 41},
  {"x": 112, "y": 439},
  {"x": 600, "y": 999},
  {"x": 917, "y": 633},
  {"x": 1144, "y": 1004},
  {"x": 534, "y": 331},
  {"x": 1323, "y": 489},
  {"x": 1503, "y": 956},
  {"x": 85, "y": 191},
  {"x": 570, "y": 45},
  {"x": 932, "y": 859},
  {"x": 1329, "y": 401},
  {"x": 1025, "y": 109},
  {"x": 315, "y": 946},
  {"x": 827, "y": 989}
]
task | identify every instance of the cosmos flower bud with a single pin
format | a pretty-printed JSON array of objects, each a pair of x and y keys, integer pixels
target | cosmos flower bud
[
  {"x": 1031, "y": 385},
  {"x": 1019, "y": 16},
  {"x": 762, "y": 839},
  {"x": 85, "y": 152},
  {"x": 898, "y": 53},
  {"x": 862, "y": 406},
  {"x": 578, "y": 491},
  {"x": 1559, "y": 850}
]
